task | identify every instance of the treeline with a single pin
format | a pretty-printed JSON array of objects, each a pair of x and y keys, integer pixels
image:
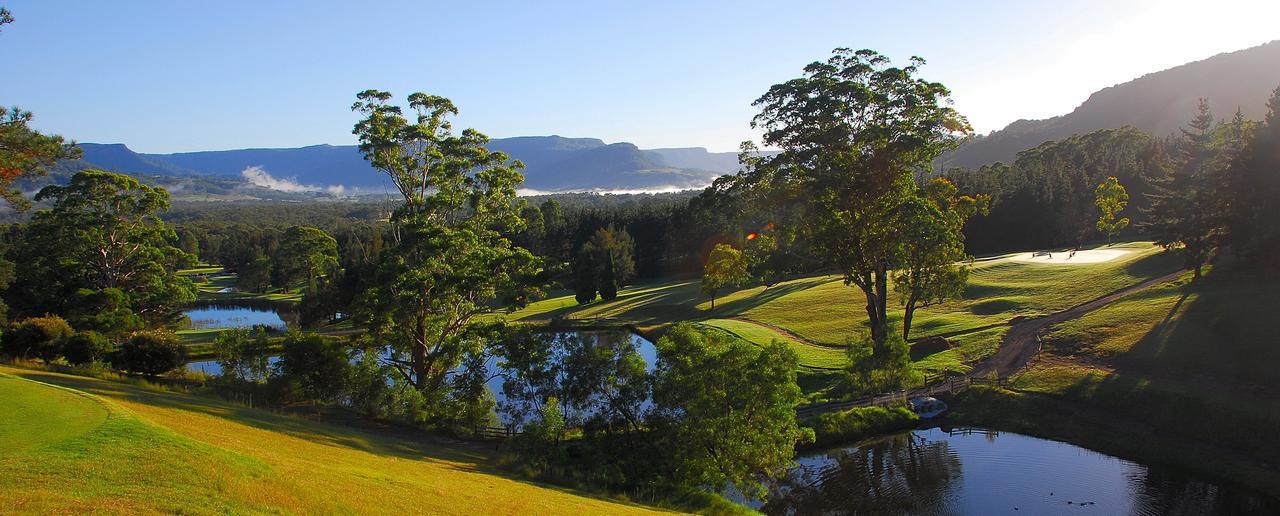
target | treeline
[{"x": 1213, "y": 186}]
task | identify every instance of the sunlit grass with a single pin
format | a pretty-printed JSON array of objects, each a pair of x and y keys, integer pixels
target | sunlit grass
[
  {"x": 817, "y": 315},
  {"x": 155, "y": 451}
]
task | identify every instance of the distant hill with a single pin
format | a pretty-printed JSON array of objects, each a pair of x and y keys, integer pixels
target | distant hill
[
  {"x": 699, "y": 159},
  {"x": 1158, "y": 103},
  {"x": 552, "y": 163},
  {"x": 118, "y": 157}
]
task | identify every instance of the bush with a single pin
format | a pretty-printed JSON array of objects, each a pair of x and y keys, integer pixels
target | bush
[
  {"x": 318, "y": 367},
  {"x": 86, "y": 347},
  {"x": 40, "y": 337},
  {"x": 150, "y": 353},
  {"x": 859, "y": 423},
  {"x": 243, "y": 353}
]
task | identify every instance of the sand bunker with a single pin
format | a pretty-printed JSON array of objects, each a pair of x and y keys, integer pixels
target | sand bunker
[{"x": 1068, "y": 258}]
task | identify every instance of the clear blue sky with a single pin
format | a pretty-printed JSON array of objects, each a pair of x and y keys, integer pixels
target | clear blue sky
[{"x": 166, "y": 76}]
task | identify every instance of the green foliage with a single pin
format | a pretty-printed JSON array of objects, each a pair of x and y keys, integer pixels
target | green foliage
[
  {"x": 599, "y": 378},
  {"x": 881, "y": 365},
  {"x": 584, "y": 278},
  {"x": 853, "y": 131},
  {"x": 540, "y": 445},
  {"x": 833, "y": 428},
  {"x": 451, "y": 260},
  {"x": 255, "y": 274},
  {"x": 36, "y": 337},
  {"x": 25, "y": 152},
  {"x": 106, "y": 311},
  {"x": 608, "y": 280},
  {"x": 604, "y": 264},
  {"x": 726, "y": 266},
  {"x": 243, "y": 353},
  {"x": 86, "y": 347},
  {"x": 931, "y": 244},
  {"x": 1045, "y": 198},
  {"x": 319, "y": 367},
  {"x": 150, "y": 353},
  {"x": 102, "y": 232},
  {"x": 1253, "y": 188},
  {"x": 1111, "y": 199},
  {"x": 726, "y": 409},
  {"x": 304, "y": 253}
]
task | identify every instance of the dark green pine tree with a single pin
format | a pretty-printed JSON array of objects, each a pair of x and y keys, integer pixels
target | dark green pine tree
[
  {"x": 608, "y": 279},
  {"x": 1182, "y": 213},
  {"x": 584, "y": 278},
  {"x": 1253, "y": 185}
]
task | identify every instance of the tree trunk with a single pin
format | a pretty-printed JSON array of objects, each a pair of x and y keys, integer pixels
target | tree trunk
[
  {"x": 880, "y": 323},
  {"x": 907, "y": 314}
]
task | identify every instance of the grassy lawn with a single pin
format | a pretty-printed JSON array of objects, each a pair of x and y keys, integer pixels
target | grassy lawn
[
  {"x": 816, "y": 315},
  {"x": 212, "y": 279},
  {"x": 97, "y": 446},
  {"x": 1181, "y": 373}
]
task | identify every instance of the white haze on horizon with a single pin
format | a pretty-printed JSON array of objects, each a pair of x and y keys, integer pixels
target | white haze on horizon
[
  {"x": 530, "y": 192},
  {"x": 260, "y": 177}
]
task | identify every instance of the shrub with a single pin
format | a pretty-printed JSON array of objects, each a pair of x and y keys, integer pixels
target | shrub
[
  {"x": 151, "y": 353},
  {"x": 318, "y": 366},
  {"x": 40, "y": 337},
  {"x": 243, "y": 353},
  {"x": 86, "y": 347},
  {"x": 859, "y": 423}
]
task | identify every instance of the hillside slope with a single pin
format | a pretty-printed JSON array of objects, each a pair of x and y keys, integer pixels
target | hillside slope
[
  {"x": 126, "y": 449},
  {"x": 1158, "y": 103}
]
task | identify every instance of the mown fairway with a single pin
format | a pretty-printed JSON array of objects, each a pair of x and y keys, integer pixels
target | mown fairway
[
  {"x": 817, "y": 315},
  {"x": 77, "y": 444}
]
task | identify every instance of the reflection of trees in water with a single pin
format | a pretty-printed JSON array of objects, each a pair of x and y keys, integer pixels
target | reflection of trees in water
[
  {"x": 1164, "y": 492},
  {"x": 905, "y": 473}
]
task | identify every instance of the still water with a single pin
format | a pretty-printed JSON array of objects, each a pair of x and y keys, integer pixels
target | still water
[
  {"x": 980, "y": 472},
  {"x": 222, "y": 316}
]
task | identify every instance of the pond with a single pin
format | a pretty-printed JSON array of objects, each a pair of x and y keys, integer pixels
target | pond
[
  {"x": 981, "y": 472},
  {"x": 224, "y": 315}
]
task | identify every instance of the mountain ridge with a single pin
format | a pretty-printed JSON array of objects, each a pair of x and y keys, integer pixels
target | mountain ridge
[
  {"x": 1158, "y": 103},
  {"x": 552, "y": 163}
]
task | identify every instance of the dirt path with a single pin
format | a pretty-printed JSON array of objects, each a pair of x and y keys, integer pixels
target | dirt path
[
  {"x": 1020, "y": 343},
  {"x": 1019, "y": 347}
]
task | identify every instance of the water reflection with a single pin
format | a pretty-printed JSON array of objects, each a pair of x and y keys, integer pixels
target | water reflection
[
  {"x": 979, "y": 472},
  {"x": 220, "y": 316},
  {"x": 901, "y": 474}
]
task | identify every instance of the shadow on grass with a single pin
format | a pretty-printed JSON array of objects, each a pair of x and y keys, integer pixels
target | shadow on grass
[
  {"x": 1226, "y": 331},
  {"x": 1153, "y": 265},
  {"x": 743, "y": 304},
  {"x": 400, "y": 443}
]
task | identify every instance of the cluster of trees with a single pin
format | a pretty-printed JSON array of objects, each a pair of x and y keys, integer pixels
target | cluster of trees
[
  {"x": 99, "y": 257},
  {"x": 1221, "y": 190},
  {"x": 856, "y": 135},
  {"x": 51, "y": 338},
  {"x": 714, "y": 411},
  {"x": 603, "y": 264},
  {"x": 1047, "y": 197}
]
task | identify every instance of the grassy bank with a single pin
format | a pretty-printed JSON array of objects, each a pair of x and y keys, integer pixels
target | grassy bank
[
  {"x": 1180, "y": 374},
  {"x": 95, "y": 445}
]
